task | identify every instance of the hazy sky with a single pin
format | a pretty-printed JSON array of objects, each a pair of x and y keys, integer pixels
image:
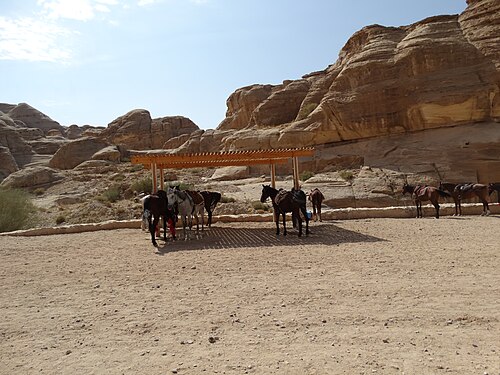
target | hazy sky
[{"x": 90, "y": 61}]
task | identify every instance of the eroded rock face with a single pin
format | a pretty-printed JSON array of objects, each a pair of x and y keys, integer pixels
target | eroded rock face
[
  {"x": 32, "y": 177},
  {"x": 76, "y": 152},
  {"x": 10, "y": 138},
  {"x": 136, "y": 130},
  {"x": 7, "y": 163},
  {"x": 439, "y": 72}
]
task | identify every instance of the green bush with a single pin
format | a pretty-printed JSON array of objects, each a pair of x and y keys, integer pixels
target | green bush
[
  {"x": 346, "y": 175},
  {"x": 144, "y": 185},
  {"x": 225, "y": 199},
  {"x": 60, "y": 219},
  {"x": 258, "y": 205},
  {"x": 16, "y": 210},
  {"x": 306, "y": 175},
  {"x": 112, "y": 194}
]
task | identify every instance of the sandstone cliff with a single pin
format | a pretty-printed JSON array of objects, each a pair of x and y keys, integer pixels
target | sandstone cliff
[{"x": 441, "y": 72}]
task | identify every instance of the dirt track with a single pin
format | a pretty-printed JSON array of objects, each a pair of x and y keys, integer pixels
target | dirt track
[{"x": 386, "y": 296}]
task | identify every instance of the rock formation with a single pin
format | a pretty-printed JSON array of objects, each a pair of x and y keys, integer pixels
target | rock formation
[
  {"x": 32, "y": 118},
  {"x": 76, "y": 152},
  {"x": 136, "y": 130}
]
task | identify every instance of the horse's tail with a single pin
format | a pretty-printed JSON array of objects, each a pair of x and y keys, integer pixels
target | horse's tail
[{"x": 443, "y": 193}]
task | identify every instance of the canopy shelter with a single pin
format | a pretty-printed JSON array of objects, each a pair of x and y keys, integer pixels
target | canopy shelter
[{"x": 160, "y": 160}]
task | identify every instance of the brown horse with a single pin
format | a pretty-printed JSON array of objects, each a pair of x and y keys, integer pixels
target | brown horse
[
  {"x": 467, "y": 191},
  {"x": 284, "y": 201},
  {"x": 316, "y": 197},
  {"x": 494, "y": 186},
  {"x": 463, "y": 191},
  {"x": 423, "y": 193}
]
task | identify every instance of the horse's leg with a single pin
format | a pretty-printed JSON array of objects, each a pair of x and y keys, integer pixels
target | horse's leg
[
  {"x": 486, "y": 208},
  {"x": 164, "y": 219},
  {"x": 277, "y": 220},
  {"x": 209, "y": 221},
  {"x": 304, "y": 212},
  {"x": 436, "y": 206},
  {"x": 319, "y": 214},
  {"x": 315, "y": 213},
  {"x": 152, "y": 230},
  {"x": 418, "y": 210},
  {"x": 202, "y": 219},
  {"x": 299, "y": 220},
  {"x": 284, "y": 223}
]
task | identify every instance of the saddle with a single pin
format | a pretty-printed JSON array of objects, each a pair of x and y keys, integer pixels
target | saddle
[
  {"x": 464, "y": 188},
  {"x": 299, "y": 196},
  {"x": 420, "y": 190}
]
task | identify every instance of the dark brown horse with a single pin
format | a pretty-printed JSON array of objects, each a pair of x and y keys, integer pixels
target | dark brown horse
[
  {"x": 494, "y": 186},
  {"x": 316, "y": 197},
  {"x": 463, "y": 191},
  {"x": 468, "y": 191},
  {"x": 284, "y": 201},
  {"x": 156, "y": 206},
  {"x": 211, "y": 199},
  {"x": 423, "y": 193}
]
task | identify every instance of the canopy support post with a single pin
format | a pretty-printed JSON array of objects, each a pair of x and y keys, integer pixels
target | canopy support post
[
  {"x": 161, "y": 179},
  {"x": 154, "y": 178},
  {"x": 295, "y": 164}
]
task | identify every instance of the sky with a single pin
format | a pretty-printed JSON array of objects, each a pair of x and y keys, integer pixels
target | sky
[{"x": 87, "y": 62}]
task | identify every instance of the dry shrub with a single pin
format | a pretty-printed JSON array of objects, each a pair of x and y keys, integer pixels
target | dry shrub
[{"x": 16, "y": 210}]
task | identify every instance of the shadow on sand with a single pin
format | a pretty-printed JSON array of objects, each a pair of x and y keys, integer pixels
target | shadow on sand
[{"x": 225, "y": 238}]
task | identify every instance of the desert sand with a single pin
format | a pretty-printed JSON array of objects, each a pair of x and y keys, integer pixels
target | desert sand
[{"x": 368, "y": 296}]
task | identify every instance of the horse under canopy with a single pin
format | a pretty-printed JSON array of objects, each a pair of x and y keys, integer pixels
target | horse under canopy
[
  {"x": 156, "y": 206},
  {"x": 284, "y": 201}
]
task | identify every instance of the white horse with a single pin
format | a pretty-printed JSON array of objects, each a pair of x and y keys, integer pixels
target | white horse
[{"x": 185, "y": 206}]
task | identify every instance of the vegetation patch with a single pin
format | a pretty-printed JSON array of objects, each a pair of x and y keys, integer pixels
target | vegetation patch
[
  {"x": 346, "y": 175},
  {"x": 144, "y": 185},
  {"x": 16, "y": 210},
  {"x": 306, "y": 175}
]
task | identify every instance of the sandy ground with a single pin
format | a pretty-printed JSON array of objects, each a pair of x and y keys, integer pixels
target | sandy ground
[{"x": 386, "y": 296}]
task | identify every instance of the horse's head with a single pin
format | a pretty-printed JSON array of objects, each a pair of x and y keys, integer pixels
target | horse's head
[
  {"x": 171, "y": 198},
  {"x": 265, "y": 193},
  {"x": 407, "y": 189}
]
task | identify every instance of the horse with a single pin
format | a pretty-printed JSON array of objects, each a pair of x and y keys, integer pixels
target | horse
[
  {"x": 199, "y": 205},
  {"x": 424, "y": 193},
  {"x": 184, "y": 204},
  {"x": 284, "y": 201},
  {"x": 316, "y": 197},
  {"x": 470, "y": 190},
  {"x": 154, "y": 207},
  {"x": 494, "y": 186},
  {"x": 211, "y": 199},
  {"x": 463, "y": 191}
]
